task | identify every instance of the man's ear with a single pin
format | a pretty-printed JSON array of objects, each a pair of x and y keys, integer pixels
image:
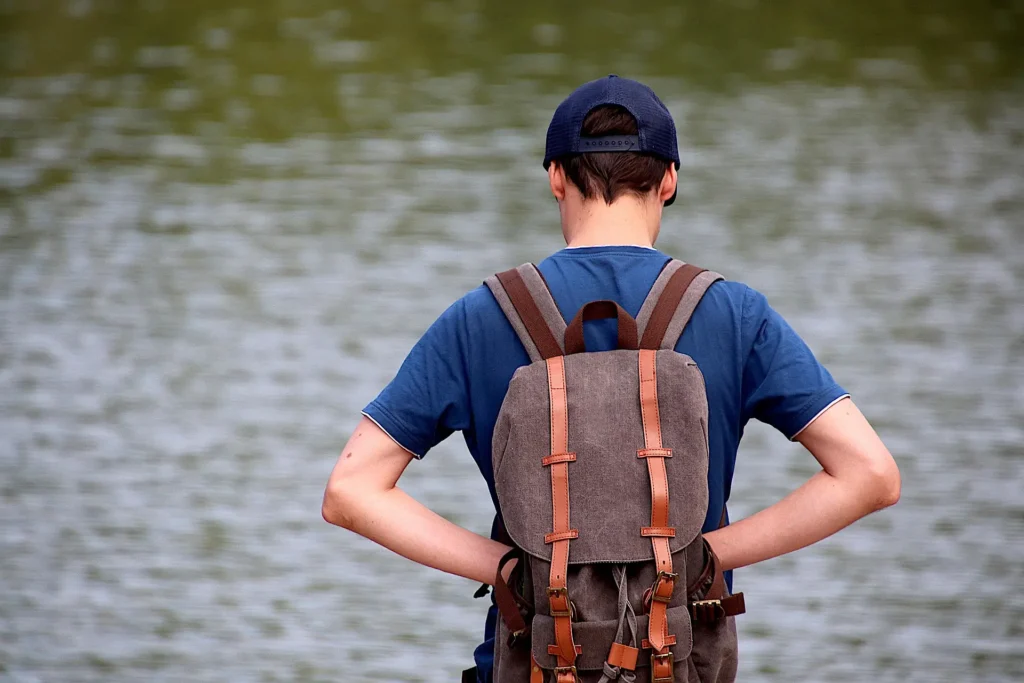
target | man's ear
[
  {"x": 668, "y": 183},
  {"x": 556, "y": 178}
]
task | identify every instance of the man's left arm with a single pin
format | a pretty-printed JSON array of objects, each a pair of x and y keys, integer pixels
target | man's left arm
[{"x": 858, "y": 477}]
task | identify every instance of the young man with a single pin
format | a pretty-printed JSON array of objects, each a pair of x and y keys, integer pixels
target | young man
[{"x": 612, "y": 165}]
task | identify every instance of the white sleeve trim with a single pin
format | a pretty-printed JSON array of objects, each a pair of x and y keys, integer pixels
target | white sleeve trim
[
  {"x": 820, "y": 413},
  {"x": 399, "y": 443}
]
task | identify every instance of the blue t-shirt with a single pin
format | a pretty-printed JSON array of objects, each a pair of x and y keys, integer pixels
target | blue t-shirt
[{"x": 754, "y": 366}]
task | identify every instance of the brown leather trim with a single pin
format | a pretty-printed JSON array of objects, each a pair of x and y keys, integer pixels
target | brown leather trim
[
  {"x": 538, "y": 287},
  {"x": 553, "y": 650},
  {"x": 505, "y": 599},
  {"x": 666, "y": 306},
  {"x": 687, "y": 307},
  {"x": 597, "y": 310},
  {"x": 664, "y": 585},
  {"x": 623, "y": 656},
  {"x": 646, "y": 644},
  {"x": 664, "y": 531},
  {"x": 558, "y": 457},
  {"x": 559, "y": 407},
  {"x": 561, "y": 535},
  {"x": 662, "y": 667},
  {"x": 710, "y": 611},
  {"x": 529, "y": 313},
  {"x": 643, "y": 316},
  {"x": 536, "y": 673},
  {"x": 705, "y": 573},
  {"x": 559, "y": 605},
  {"x": 649, "y": 412},
  {"x": 654, "y": 453}
]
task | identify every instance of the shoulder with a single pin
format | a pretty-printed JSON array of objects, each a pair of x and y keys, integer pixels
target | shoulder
[
  {"x": 474, "y": 306},
  {"x": 729, "y": 299},
  {"x": 478, "y": 306}
]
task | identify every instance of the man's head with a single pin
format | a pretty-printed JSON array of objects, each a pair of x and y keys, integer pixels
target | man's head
[{"x": 612, "y": 143}]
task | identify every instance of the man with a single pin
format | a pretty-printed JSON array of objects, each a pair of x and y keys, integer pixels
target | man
[{"x": 612, "y": 165}]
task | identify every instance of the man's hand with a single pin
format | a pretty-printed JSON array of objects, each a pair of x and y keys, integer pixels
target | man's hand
[
  {"x": 858, "y": 477},
  {"x": 362, "y": 496}
]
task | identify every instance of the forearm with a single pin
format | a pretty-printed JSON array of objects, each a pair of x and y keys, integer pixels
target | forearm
[
  {"x": 405, "y": 526},
  {"x": 822, "y": 506}
]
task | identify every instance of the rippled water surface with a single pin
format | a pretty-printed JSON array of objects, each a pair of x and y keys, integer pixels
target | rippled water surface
[{"x": 222, "y": 227}]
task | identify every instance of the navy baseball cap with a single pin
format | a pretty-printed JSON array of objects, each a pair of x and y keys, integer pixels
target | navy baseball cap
[{"x": 656, "y": 131}]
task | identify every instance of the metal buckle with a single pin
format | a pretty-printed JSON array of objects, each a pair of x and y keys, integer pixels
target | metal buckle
[
  {"x": 563, "y": 592},
  {"x": 663, "y": 659},
  {"x": 663, "y": 576},
  {"x": 513, "y": 638},
  {"x": 563, "y": 670},
  {"x": 711, "y": 609}
]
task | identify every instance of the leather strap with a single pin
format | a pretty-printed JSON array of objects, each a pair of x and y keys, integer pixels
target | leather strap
[
  {"x": 711, "y": 604},
  {"x": 558, "y": 595},
  {"x": 710, "y": 611},
  {"x": 597, "y": 310},
  {"x": 623, "y": 656},
  {"x": 646, "y": 644},
  {"x": 536, "y": 673},
  {"x": 508, "y": 606},
  {"x": 643, "y": 316},
  {"x": 529, "y": 313},
  {"x": 666, "y": 305},
  {"x": 664, "y": 584}
]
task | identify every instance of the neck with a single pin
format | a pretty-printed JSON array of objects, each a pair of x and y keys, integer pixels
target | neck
[{"x": 626, "y": 221}]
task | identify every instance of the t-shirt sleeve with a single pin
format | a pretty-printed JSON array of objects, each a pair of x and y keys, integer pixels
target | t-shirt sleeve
[
  {"x": 428, "y": 398},
  {"x": 784, "y": 385}
]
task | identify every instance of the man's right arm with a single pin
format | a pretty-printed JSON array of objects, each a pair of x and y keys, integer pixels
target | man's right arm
[{"x": 858, "y": 477}]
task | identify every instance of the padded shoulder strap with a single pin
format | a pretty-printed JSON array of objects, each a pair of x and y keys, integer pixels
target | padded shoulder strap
[
  {"x": 671, "y": 302},
  {"x": 529, "y": 307}
]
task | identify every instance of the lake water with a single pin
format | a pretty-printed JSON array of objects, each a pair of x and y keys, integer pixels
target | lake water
[{"x": 222, "y": 227}]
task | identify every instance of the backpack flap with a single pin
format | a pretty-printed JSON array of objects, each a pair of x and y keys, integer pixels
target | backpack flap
[{"x": 610, "y": 486}]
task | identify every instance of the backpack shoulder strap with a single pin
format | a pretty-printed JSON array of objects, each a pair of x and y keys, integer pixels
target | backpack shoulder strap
[
  {"x": 530, "y": 308},
  {"x": 671, "y": 302}
]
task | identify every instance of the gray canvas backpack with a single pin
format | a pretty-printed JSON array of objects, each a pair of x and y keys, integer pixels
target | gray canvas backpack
[{"x": 600, "y": 468}]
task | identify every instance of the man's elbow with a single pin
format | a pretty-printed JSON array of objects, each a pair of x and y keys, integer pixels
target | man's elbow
[
  {"x": 885, "y": 483},
  {"x": 337, "y": 507}
]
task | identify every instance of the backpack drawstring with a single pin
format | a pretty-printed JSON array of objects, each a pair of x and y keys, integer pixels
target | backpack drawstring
[{"x": 627, "y": 617}]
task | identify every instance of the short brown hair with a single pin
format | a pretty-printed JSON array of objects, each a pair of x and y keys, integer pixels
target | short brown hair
[{"x": 612, "y": 174}]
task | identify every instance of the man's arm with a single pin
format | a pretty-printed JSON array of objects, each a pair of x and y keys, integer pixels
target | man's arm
[
  {"x": 362, "y": 496},
  {"x": 858, "y": 477}
]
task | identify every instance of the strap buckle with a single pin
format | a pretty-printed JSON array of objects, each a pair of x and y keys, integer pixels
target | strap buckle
[
  {"x": 707, "y": 610},
  {"x": 562, "y": 671},
  {"x": 560, "y": 594},
  {"x": 664, "y": 585},
  {"x": 516, "y": 636},
  {"x": 662, "y": 664}
]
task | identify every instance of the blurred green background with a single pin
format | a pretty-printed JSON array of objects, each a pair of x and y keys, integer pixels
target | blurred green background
[{"x": 222, "y": 225}]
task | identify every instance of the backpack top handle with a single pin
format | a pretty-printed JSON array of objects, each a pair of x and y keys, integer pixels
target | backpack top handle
[{"x": 598, "y": 310}]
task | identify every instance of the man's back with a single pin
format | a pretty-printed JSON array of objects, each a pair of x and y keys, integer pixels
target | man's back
[{"x": 753, "y": 363}]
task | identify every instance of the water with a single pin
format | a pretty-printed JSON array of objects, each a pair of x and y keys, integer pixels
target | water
[{"x": 222, "y": 227}]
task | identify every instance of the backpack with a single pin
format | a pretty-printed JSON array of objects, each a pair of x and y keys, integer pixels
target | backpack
[{"x": 600, "y": 469}]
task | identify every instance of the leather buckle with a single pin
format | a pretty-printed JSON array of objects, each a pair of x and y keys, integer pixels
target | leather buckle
[
  {"x": 561, "y": 671},
  {"x": 659, "y": 661},
  {"x": 670, "y": 579},
  {"x": 707, "y": 610}
]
